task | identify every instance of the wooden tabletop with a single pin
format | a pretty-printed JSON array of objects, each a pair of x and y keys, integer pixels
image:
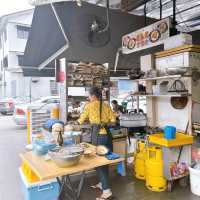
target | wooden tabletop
[{"x": 48, "y": 169}]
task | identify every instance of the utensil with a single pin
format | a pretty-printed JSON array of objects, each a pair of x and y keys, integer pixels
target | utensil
[{"x": 60, "y": 140}]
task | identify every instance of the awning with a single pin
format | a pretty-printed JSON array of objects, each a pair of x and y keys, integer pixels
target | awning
[{"x": 46, "y": 39}]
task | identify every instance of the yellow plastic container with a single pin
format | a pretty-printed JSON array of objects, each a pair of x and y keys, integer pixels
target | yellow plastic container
[
  {"x": 28, "y": 173},
  {"x": 156, "y": 184}
]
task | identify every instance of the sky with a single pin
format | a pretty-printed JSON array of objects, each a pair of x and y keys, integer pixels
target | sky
[{"x": 10, "y": 6}]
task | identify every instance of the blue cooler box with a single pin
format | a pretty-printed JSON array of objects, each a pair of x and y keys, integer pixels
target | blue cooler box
[{"x": 45, "y": 190}]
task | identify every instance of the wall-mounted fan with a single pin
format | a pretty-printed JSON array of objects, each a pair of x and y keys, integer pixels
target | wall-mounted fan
[{"x": 96, "y": 29}]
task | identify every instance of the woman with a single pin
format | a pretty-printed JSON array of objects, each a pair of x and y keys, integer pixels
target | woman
[
  {"x": 100, "y": 115},
  {"x": 117, "y": 109}
]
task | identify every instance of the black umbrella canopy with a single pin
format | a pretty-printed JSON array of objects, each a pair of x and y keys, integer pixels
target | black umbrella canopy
[{"x": 46, "y": 37}]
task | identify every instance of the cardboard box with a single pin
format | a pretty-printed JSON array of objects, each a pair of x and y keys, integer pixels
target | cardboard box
[{"x": 120, "y": 145}]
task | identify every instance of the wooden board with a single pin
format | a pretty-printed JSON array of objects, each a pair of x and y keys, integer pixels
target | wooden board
[
  {"x": 48, "y": 169},
  {"x": 184, "y": 48}
]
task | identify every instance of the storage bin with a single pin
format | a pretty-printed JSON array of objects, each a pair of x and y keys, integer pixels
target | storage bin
[
  {"x": 28, "y": 173},
  {"x": 195, "y": 181},
  {"x": 48, "y": 190},
  {"x": 170, "y": 132}
]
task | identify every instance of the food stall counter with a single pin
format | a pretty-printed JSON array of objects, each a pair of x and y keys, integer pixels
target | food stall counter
[{"x": 47, "y": 169}]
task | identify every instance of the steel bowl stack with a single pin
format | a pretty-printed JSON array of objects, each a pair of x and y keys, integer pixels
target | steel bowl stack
[{"x": 66, "y": 156}]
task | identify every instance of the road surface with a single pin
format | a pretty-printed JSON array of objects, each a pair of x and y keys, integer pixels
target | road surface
[{"x": 12, "y": 142}]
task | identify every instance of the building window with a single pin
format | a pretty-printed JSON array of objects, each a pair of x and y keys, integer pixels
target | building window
[
  {"x": 5, "y": 62},
  {"x": 22, "y": 32},
  {"x": 53, "y": 87},
  {"x": 20, "y": 60}
]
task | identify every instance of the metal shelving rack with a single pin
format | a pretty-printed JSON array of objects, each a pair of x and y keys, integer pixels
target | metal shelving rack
[{"x": 68, "y": 84}]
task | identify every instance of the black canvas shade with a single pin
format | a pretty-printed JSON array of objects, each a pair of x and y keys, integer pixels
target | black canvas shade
[{"x": 46, "y": 37}]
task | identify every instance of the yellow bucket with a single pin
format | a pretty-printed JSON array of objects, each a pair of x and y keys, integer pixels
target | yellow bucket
[{"x": 156, "y": 184}]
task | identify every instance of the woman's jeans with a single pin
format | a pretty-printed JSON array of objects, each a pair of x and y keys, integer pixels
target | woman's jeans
[{"x": 103, "y": 172}]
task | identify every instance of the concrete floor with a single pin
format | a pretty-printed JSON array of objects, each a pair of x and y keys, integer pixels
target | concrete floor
[{"x": 12, "y": 140}]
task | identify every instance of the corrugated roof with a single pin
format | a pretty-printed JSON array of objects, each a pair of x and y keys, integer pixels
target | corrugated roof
[{"x": 189, "y": 20}]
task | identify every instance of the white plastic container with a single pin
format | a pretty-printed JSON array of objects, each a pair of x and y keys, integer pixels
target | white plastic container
[{"x": 195, "y": 181}]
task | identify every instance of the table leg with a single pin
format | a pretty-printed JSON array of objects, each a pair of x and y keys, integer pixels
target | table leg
[
  {"x": 80, "y": 186},
  {"x": 59, "y": 181},
  {"x": 62, "y": 185},
  {"x": 67, "y": 184}
]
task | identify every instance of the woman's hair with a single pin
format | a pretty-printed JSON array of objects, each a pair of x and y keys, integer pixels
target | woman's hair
[
  {"x": 96, "y": 92},
  {"x": 114, "y": 102}
]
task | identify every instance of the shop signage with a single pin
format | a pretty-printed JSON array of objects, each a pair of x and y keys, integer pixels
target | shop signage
[
  {"x": 146, "y": 37},
  {"x": 42, "y": 2}
]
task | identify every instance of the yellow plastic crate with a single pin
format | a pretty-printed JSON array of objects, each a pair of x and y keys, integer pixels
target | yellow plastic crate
[
  {"x": 28, "y": 173},
  {"x": 181, "y": 140}
]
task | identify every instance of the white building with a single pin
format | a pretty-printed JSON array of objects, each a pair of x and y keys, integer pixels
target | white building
[{"x": 14, "y": 31}]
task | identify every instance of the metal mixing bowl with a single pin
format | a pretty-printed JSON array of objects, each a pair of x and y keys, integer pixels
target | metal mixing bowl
[{"x": 66, "y": 156}]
